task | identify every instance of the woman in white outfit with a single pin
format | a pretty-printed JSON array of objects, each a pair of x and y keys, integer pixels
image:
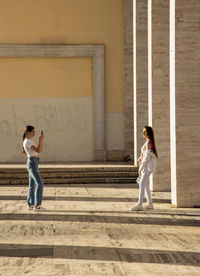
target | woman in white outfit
[{"x": 147, "y": 162}]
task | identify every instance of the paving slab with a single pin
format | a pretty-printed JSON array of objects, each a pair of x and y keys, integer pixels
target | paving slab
[{"x": 90, "y": 230}]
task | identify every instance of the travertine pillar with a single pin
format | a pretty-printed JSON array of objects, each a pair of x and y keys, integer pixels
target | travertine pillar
[
  {"x": 141, "y": 70},
  {"x": 128, "y": 77},
  {"x": 185, "y": 102},
  {"x": 160, "y": 92}
]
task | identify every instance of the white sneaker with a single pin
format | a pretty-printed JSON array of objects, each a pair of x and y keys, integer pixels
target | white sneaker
[
  {"x": 148, "y": 206},
  {"x": 30, "y": 208},
  {"x": 39, "y": 209},
  {"x": 137, "y": 207}
]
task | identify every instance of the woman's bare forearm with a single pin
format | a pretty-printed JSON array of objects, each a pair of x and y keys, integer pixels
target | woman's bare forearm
[{"x": 40, "y": 146}]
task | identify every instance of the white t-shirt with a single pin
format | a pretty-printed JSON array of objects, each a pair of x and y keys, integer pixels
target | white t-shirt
[{"x": 28, "y": 143}]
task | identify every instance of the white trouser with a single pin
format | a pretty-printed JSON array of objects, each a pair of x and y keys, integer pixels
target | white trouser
[{"x": 144, "y": 186}]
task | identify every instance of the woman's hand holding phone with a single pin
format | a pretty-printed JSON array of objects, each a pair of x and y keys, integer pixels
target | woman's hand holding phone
[{"x": 41, "y": 137}]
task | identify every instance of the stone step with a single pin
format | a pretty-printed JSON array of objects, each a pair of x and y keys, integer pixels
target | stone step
[
  {"x": 71, "y": 173},
  {"x": 14, "y": 181},
  {"x": 62, "y": 175},
  {"x": 70, "y": 170}
]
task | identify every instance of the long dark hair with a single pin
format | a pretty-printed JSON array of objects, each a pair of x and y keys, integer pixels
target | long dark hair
[
  {"x": 150, "y": 134},
  {"x": 27, "y": 129}
]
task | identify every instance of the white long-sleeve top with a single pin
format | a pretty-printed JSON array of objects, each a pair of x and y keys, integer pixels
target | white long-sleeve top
[{"x": 148, "y": 157}]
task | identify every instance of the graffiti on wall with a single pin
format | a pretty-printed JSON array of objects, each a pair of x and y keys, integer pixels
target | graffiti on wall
[
  {"x": 66, "y": 120},
  {"x": 51, "y": 117}
]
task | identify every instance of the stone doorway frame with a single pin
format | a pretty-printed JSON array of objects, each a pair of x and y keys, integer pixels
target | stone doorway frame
[{"x": 96, "y": 52}]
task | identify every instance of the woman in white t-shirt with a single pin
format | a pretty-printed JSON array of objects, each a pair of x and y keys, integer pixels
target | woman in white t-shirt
[{"x": 35, "y": 191}]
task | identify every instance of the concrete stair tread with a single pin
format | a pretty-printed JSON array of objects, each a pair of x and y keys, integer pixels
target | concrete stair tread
[
  {"x": 85, "y": 173},
  {"x": 68, "y": 170},
  {"x": 71, "y": 175},
  {"x": 72, "y": 167},
  {"x": 71, "y": 180}
]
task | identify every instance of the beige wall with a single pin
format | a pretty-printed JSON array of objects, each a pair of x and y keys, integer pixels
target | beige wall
[
  {"x": 70, "y": 22},
  {"x": 67, "y": 125},
  {"x": 115, "y": 131}
]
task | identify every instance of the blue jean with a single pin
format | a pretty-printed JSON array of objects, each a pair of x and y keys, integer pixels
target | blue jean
[{"x": 35, "y": 190}]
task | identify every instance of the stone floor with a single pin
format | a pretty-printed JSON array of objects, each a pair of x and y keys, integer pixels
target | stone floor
[{"x": 89, "y": 230}]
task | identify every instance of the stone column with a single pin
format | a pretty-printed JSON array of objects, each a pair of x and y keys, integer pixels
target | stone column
[
  {"x": 185, "y": 101},
  {"x": 160, "y": 93},
  {"x": 128, "y": 77},
  {"x": 141, "y": 72}
]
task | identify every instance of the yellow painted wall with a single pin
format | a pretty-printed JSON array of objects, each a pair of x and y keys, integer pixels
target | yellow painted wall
[
  {"x": 45, "y": 77},
  {"x": 69, "y": 22}
]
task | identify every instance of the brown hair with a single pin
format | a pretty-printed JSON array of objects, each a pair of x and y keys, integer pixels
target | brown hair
[
  {"x": 27, "y": 129},
  {"x": 150, "y": 134}
]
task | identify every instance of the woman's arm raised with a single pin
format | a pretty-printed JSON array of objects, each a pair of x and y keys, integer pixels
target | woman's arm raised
[{"x": 39, "y": 148}]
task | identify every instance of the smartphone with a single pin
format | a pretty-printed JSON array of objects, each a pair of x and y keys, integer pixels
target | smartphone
[{"x": 42, "y": 132}]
